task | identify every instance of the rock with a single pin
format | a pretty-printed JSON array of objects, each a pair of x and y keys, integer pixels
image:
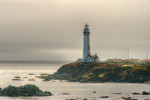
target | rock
[
  {"x": 10, "y": 91},
  {"x": 0, "y": 91},
  {"x": 46, "y": 74},
  {"x": 94, "y": 91},
  {"x": 27, "y": 90},
  {"x": 31, "y": 79},
  {"x": 104, "y": 97},
  {"x": 128, "y": 98},
  {"x": 17, "y": 77},
  {"x": 116, "y": 93},
  {"x": 135, "y": 93},
  {"x": 145, "y": 93},
  {"x": 46, "y": 79},
  {"x": 32, "y": 74},
  {"x": 65, "y": 93},
  {"x": 46, "y": 93}
]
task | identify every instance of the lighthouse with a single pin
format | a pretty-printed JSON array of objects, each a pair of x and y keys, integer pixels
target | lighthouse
[
  {"x": 87, "y": 57},
  {"x": 86, "y": 42}
]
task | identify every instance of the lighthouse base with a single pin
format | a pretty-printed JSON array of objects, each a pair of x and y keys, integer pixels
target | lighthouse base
[{"x": 91, "y": 58}]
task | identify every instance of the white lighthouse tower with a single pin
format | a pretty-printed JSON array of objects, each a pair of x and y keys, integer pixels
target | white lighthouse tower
[
  {"x": 86, "y": 42},
  {"x": 87, "y": 57}
]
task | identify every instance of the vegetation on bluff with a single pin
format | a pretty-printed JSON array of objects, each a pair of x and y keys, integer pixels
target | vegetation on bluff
[{"x": 103, "y": 72}]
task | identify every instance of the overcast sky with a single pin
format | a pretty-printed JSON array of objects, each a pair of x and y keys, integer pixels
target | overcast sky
[{"x": 52, "y": 30}]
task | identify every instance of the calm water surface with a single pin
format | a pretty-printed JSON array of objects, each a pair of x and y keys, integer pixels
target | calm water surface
[{"x": 75, "y": 90}]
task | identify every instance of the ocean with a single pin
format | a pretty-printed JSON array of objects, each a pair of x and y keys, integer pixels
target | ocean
[{"x": 63, "y": 90}]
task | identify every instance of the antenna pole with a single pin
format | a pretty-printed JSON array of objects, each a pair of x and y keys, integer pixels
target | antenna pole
[{"x": 128, "y": 53}]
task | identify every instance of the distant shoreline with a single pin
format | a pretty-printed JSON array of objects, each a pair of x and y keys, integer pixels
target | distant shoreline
[{"x": 36, "y": 62}]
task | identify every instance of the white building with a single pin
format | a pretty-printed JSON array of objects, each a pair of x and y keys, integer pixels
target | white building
[
  {"x": 114, "y": 60},
  {"x": 87, "y": 57},
  {"x": 132, "y": 60},
  {"x": 145, "y": 61}
]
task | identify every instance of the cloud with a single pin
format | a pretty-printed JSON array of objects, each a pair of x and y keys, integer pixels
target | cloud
[{"x": 52, "y": 29}]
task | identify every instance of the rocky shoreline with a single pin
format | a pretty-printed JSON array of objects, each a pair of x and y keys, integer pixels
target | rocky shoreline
[{"x": 32, "y": 90}]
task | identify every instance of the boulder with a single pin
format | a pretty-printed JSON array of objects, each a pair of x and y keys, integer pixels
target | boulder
[
  {"x": 104, "y": 97},
  {"x": 26, "y": 90},
  {"x": 135, "y": 93},
  {"x": 145, "y": 93},
  {"x": 29, "y": 90},
  {"x": 116, "y": 93},
  {"x": 128, "y": 98},
  {"x": 46, "y": 93},
  {"x": 10, "y": 91},
  {"x": 65, "y": 93},
  {"x": 94, "y": 91},
  {"x": 0, "y": 91}
]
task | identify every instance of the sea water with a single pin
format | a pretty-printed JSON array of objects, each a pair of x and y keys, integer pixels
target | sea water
[{"x": 62, "y": 90}]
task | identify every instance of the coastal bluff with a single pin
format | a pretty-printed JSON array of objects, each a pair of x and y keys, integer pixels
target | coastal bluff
[{"x": 102, "y": 72}]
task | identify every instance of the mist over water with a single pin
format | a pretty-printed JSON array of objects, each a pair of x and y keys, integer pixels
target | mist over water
[{"x": 30, "y": 65}]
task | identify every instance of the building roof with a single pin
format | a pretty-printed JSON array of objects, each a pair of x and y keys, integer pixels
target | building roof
[
  {"x": 131, "y": 59},
  {"x": 114, "y": 59}
]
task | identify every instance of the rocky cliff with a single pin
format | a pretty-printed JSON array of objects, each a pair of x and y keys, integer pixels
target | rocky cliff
[{"x": 102, "y": 72}]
